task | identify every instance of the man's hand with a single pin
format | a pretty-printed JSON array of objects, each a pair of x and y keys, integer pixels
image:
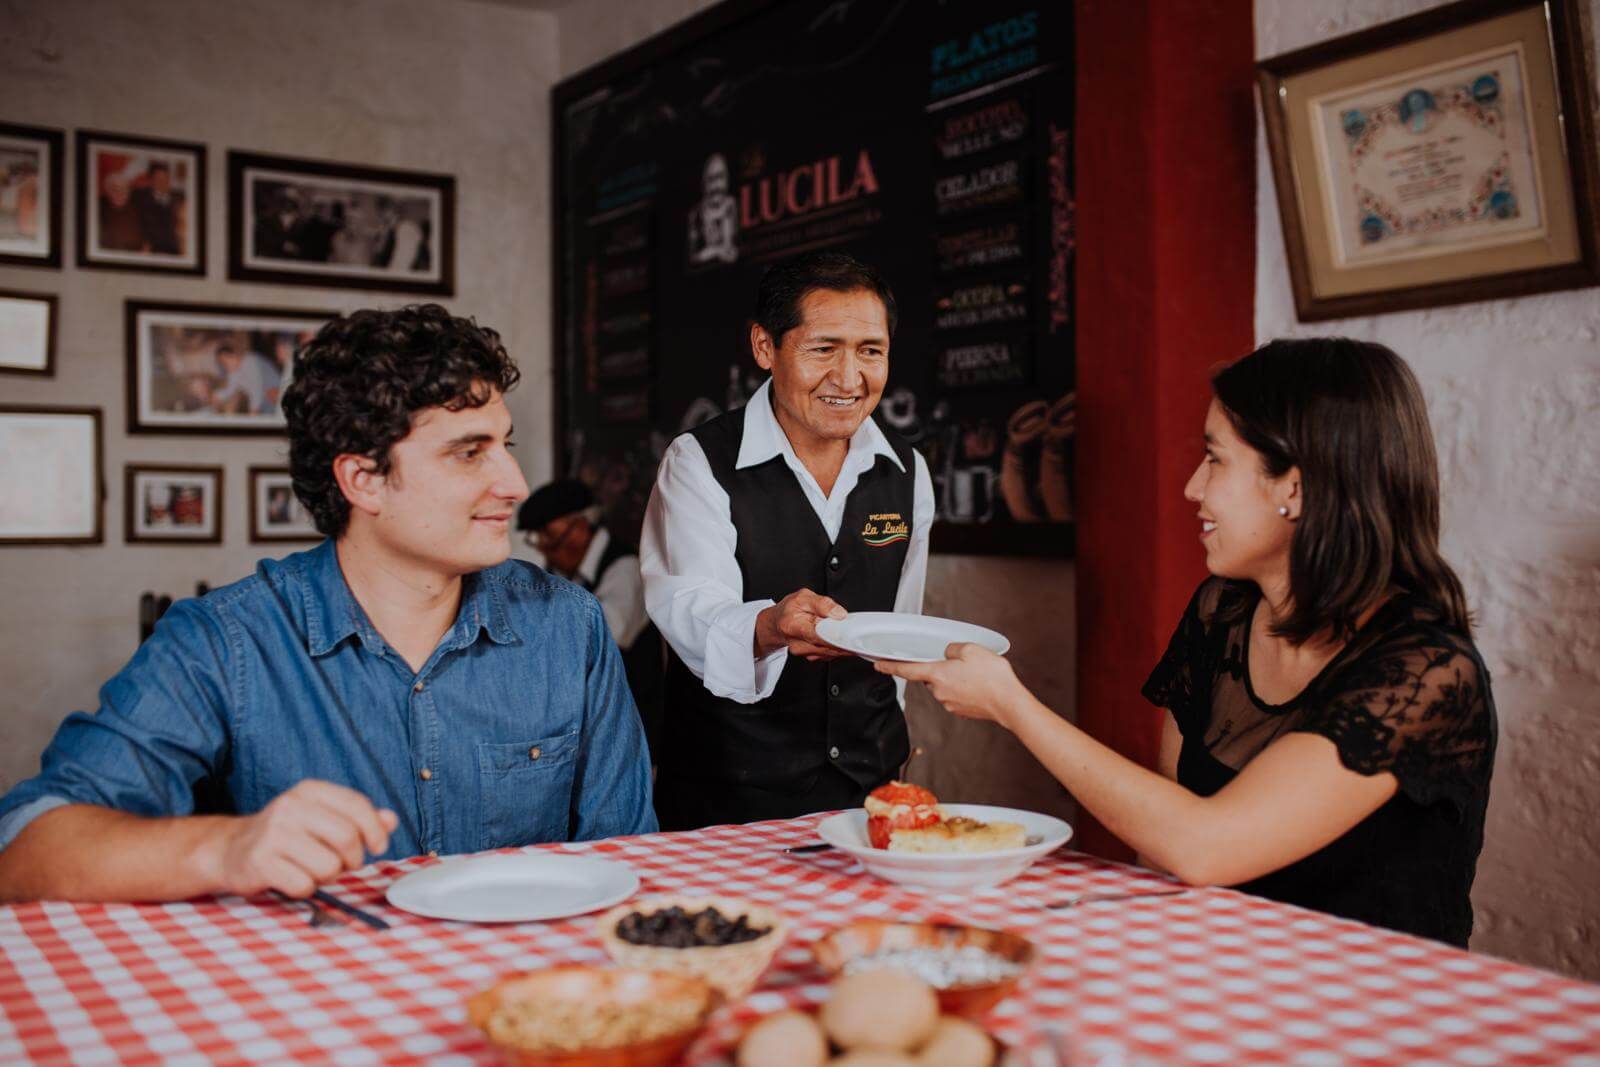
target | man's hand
[
  {"x": 792, "y": 623},
  {"x": 308, "y": 835}
]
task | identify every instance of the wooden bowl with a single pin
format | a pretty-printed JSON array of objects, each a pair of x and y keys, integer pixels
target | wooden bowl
[
  {"x": 733, "y": 970},
  {"x": 592, "y": 988},
  {"x": 835, "y": 949}
]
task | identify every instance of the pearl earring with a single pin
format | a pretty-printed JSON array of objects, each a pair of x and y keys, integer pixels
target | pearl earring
[{"x": 1284, "y": 511}]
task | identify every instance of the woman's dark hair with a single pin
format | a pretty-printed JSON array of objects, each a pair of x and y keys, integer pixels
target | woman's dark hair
[
  {"x": 358, "y": 382},
  {"x": 1350, "y": 415},
  {"x": 785, "y": 284}
]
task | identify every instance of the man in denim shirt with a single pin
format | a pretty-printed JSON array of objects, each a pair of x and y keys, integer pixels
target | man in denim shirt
[{"x": 403, "y": 688}]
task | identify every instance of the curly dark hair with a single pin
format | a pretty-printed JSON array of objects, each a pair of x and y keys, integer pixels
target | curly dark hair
[{"x": 358, "y": 382}]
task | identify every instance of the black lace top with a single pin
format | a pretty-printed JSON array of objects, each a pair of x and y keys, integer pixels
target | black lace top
[{"x": 1406, "y": 695}]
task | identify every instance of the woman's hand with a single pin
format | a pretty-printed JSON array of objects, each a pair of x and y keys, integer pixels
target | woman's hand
[{"x": 971, "y": 682}]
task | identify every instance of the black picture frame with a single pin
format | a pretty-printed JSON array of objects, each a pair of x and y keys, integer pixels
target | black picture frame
[
  {"x": 282, "y": 325},
  {"x": 259, "y": 533},
  {"x": 130, "y": 481},
  {"x": 320, "y": 198},
  {"x": 92, "y": 253},
  {"x": 96, "y": 420},
  {"x": 52, "y": 143}
]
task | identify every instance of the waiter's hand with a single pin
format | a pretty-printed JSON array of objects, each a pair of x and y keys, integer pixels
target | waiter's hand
[{"x": 792, "y": 623}]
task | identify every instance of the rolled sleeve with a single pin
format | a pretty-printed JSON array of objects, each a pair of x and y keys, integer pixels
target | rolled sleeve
[
  {"x": 17, "y": 819},
  {"x": 162, "y": 727},
  {"x": 731, "y": 669}
]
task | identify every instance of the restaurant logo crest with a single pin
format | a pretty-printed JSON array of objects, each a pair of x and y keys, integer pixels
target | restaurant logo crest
[{"x": 885, "y": 529}]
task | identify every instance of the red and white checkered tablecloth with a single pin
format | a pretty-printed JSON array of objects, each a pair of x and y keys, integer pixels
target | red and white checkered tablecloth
[{"x": 1212, "y": 976}]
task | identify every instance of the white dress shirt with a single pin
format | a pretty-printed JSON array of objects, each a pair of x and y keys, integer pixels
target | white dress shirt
[
  {"x": 619, "y": 590},
  {"x": 692, "y": 582}
]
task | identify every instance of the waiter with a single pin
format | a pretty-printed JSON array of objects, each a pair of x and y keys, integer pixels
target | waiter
[
  {"x": 563, "y": 522},
  {"x": 794, "y": 508}
]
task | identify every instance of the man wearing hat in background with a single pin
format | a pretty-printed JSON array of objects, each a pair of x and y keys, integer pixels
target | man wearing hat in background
[{"x": 562, "y": 521}]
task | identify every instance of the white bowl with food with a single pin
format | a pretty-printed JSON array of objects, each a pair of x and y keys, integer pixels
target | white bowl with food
[{"x": 962, "y": 861}]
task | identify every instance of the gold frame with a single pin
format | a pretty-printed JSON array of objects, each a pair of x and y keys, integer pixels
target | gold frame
[{"x": 1560, "y": 254}]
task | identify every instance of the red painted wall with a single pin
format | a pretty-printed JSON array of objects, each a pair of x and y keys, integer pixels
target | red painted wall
[{"x": 1166, "y": 288}]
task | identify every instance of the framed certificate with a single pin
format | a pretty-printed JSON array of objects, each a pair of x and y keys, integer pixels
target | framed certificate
[
  {"x": 1440, "y": 159},
  {"x": 52, "y": 483}
]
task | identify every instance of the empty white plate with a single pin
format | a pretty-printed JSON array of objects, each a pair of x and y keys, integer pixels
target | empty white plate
[
  {"x": 514, "y": 887},
  {"x": 903, "y": 636}
]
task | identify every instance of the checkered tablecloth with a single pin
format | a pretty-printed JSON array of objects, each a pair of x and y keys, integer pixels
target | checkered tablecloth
[{"x": 1211, "y": 976}]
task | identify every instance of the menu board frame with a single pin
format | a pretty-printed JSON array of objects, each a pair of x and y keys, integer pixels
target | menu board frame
[{"x": 977, "y": 328}]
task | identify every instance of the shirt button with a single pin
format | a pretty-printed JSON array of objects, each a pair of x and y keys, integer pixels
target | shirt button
[
  {"x": 534, "y": 753},
  {"x": 833, "y": 690},
  {"x": 833, "y": 753},
  {"x": 425, "y": 774},
  {"x": 417, "y": 688},
  {"x": 833, "y": 563}
]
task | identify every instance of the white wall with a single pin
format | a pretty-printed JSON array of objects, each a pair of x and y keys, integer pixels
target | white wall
[
  {"x": 442, "y": 85},
  {"x": 1032, "y": 601},
  {"x": 1513, "y": 388}
]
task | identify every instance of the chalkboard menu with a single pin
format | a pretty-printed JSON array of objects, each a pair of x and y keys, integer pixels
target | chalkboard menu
[{"x": 930, "y": 139}]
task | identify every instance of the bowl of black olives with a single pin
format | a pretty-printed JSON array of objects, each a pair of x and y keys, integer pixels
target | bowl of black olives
[{"x": 730, "y": 943}]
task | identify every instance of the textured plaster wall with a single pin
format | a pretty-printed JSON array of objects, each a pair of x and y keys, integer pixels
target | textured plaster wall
[
  {"x": 456, "y": 86},
  {"x": 1031, "y": 601},
  {"x": 1513, "y": 390}
]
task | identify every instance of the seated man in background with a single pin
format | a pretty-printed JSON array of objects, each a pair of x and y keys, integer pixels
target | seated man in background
[
  {"x": 562, "y": 521},
  {"x": 401, "y": 688}
]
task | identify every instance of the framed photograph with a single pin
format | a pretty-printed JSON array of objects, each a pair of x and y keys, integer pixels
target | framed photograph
[
  {"x": 52, "y": 484},
  {"x": 172, "y": 504},
  {"x": 27, "y": 333},
  {"x": 301, "y": 222},
  {"x": 30, "y": 195},
  {"x": 1443, "y": 158},
  {"x": 141, "y": 204},
  {"x": 204, "y": 368},
  {"x": 275, "y": 512}
]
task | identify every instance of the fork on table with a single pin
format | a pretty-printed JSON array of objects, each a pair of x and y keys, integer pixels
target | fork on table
[{"x": 320, "y": 916}]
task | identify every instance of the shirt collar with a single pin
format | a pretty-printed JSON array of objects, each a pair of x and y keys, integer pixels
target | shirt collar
[
  {"x": 333, "y": 613},
  {"x": 764, "y": 438},
  {"x": 589, "y": 569}
]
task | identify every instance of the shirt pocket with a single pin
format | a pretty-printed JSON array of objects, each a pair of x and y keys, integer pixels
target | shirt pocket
[{"x": 525, "y": 790}]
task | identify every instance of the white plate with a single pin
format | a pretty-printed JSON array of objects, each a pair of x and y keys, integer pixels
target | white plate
[
  {"x": 514, "y": 887},
  {"x": 902, "y": 636},
  {"x": 947, "y": 871}
]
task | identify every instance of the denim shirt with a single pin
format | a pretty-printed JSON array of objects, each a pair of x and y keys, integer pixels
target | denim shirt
[{"x": 519, "y": 728}]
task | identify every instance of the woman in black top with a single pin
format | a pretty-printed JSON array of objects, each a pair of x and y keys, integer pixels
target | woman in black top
[{"x": 1330, "y": 730}]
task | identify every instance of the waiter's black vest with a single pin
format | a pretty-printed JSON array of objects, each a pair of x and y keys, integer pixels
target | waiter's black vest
[
  {"x": 641, "y": 661},
  {"x": 832, "y": 731}
]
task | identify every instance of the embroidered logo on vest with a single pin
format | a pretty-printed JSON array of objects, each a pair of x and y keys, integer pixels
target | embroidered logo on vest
[{"x": 885, "y": 529}]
